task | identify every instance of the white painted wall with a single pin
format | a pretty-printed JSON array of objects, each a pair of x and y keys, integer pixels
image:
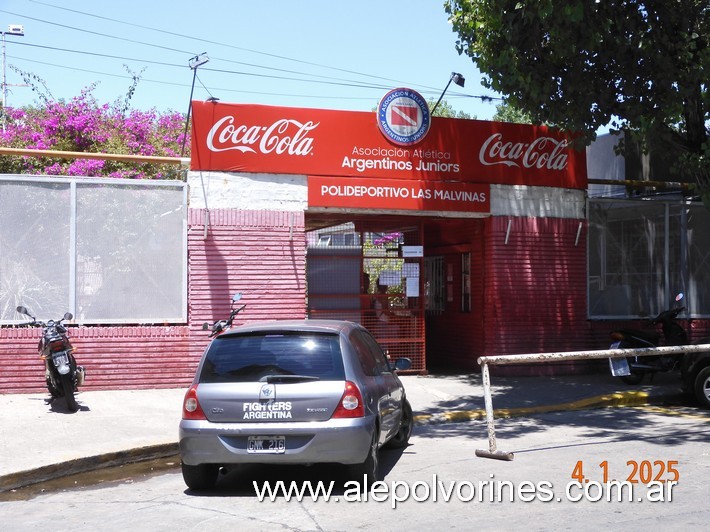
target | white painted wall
[
  {"x": 538, "y": 202},
  {"x": 285, "y": 192},
  {"x": 271, "y": 192}
]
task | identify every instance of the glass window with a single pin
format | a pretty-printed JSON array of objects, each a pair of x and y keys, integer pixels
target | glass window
[
  {"x": 249, "y": 357},
  {"x": 465, "y": 282},
  {"x": 378, "y": 354},
  {"x": 643, "y": 253}
]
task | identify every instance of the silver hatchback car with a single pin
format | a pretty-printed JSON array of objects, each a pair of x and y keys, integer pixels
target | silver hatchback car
[{"x": 293, "y": 392}]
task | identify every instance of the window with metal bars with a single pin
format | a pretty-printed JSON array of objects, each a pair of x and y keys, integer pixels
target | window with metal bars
[{"x": 642, "y": 253}]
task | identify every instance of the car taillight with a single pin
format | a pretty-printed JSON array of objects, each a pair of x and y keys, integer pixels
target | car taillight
[
  {"x": 191, "y": 408},
  {"x": 351, "y": 404}
]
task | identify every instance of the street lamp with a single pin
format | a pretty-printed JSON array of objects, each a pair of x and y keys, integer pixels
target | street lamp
[
  {"x": 19, "y": 31},
  {"x": 194, "y": 63},
  {"x": 456, "y": 78}
]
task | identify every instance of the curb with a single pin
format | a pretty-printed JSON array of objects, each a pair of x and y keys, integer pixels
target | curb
[
  {"x": 600, "y": 401},
  {"x": 22, "y": 479}
]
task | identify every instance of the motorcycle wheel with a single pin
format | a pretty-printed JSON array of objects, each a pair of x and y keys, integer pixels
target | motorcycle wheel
[
  {"x": 634, "y": 378},
  {"x": 702, "y": 387},
  {"x": 68, "y": 385}
]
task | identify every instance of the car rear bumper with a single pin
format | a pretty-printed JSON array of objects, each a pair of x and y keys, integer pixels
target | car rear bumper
[{"x": 344, "y": 441}]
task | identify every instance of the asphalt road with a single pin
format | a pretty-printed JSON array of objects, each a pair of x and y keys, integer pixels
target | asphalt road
[{"x": 642, "y": 444}]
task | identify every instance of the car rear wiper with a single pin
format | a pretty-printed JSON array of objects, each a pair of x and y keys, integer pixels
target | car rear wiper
[{"x": 285, "y": 379}]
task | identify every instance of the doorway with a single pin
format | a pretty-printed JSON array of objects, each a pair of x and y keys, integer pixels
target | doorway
[{"x": 370, "y": 271}]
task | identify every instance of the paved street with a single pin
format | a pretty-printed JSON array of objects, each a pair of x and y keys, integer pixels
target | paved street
[{"x": 632, "y": 443}]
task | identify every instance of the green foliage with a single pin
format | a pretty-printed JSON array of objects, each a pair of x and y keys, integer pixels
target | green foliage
[
  {"x": 446, "y": 110},
  {"x": 507, "y": 113},
  {"x": 579, "y": 65},
  {"x": 84, "y": 125}
]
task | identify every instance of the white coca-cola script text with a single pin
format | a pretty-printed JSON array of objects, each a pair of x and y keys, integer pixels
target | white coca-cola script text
[
  {"x": 543, "y": 152},
  {"x": 282, "y": 137}
]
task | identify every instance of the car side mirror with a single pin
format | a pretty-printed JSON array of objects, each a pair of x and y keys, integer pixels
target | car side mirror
[
  {"x": 205, "y": 326},
  {"x": 402, "y": 364}
]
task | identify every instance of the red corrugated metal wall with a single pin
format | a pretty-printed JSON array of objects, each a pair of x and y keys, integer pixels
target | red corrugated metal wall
[
  {"x": 528, "y": 293},
  {"x": 535, "y": 288},
  {"x": 259, "y": 253}
]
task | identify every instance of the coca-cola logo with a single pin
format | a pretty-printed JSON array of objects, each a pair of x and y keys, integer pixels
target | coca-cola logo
[
  {"x": 542, "y": 153},
  {"x": 284, "y": 136}
]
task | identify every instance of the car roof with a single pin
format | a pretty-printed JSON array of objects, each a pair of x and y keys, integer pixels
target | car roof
[{"x": 306, "y": 325}]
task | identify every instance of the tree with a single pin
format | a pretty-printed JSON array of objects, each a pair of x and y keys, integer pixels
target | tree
[
  {"x": 446, "y": 110},
  {"x": 637, "y": 65},
  {"x": 507, "y": 113}
]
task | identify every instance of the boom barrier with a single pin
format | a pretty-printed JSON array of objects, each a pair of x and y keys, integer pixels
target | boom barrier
[{"x": 539, "y": 358}]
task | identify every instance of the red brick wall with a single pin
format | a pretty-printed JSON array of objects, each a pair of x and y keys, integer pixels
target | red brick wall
[{"x": 261, "y": 254}]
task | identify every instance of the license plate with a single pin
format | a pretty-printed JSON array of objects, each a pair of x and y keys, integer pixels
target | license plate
[
  {"x": 266, "y": 444},
  {"x": 60, "y": 360},
  {"x": 619, "y": 366}
]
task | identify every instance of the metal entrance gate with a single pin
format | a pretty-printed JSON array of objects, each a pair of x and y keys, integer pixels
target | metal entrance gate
[{"x": 371, "y": 273}]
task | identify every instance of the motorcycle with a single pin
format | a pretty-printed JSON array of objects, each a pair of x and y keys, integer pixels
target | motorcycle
[
  {"x": 632, "y": 370},
  {"x": 220, "y": 326},
  {"x": 62, "y": 374}
]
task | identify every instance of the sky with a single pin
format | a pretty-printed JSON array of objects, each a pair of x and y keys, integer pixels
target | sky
[{"x": 295, "y": 53}]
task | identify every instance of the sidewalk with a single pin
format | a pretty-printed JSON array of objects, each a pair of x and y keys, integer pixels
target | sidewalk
[{"x": 39, "y": 442}]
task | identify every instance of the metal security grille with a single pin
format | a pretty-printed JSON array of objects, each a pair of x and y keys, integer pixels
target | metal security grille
[
  {"x": 368, "y": 276},
  {"x": 435, "y": 285},
  {"x": 109, "y": 251},
  {"x": 641, "y": 254}
]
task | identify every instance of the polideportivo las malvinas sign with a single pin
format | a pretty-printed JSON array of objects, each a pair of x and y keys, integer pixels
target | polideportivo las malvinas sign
[{"x": 351, "y": 163}]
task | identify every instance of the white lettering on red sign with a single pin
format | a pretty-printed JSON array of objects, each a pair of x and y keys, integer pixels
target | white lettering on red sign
[
  {"x": 283, "y": 136},
  {"x": 543, "y": 152}
]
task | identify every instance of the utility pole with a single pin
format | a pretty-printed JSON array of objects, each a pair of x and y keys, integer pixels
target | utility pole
[
  {"x": 12, "y": 29},
  {"x": 194, "y": 63}
]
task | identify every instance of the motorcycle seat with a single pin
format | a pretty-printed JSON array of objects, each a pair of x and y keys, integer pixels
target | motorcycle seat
[{"x": 652, "y": 337}]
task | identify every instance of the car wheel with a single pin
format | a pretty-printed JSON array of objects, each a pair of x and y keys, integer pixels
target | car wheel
[
  {"x": 369, "y": 470},
  {"x": 406, "y": 424},
  {"x": 200, "y": 477},
  {"x": 702, "y": 387}
]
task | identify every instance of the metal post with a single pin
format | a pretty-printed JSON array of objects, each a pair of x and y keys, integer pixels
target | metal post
[
  {"x": 539, "y": 358},
  {"x": 4, "y": 80},
  {"x": 4, "y": 84},
  {"x": 194, "y": 63},
  {"x": 492, "y": 451}
]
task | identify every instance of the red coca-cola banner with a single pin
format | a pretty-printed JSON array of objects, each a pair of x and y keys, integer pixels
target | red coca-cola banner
[{"x": 320, "y": 142}]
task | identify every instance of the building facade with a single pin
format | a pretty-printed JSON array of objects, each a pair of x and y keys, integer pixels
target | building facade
[{"x": 450, "y": 239}]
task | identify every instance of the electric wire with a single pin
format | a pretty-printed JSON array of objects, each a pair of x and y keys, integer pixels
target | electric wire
[{"x": 336, "y": 82}]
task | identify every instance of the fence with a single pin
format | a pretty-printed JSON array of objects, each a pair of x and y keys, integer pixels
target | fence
[{"x": 533, "y": 358}]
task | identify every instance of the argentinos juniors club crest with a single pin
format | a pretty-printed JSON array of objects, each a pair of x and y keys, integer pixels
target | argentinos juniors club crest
[{"x": 403, "y": 117}]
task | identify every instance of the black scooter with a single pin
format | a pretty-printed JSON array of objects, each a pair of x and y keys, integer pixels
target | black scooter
[
  {"x": 220, "y": 326},
  {"x": 632, "y": 370},
  {"x": 62, "y": 374}
]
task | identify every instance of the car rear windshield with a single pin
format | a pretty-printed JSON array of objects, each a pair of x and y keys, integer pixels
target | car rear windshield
[{"x": 262, "y": 356}]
